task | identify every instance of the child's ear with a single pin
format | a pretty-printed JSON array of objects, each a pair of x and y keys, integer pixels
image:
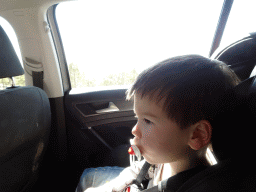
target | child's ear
[{"x": 200, "y": 134}]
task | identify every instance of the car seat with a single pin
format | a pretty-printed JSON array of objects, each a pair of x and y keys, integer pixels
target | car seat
[
  {"x": 235, "y": 170},
  {"x": 233, "y": 147},
  {"x": 25, "y": 120},
  {"x": 234, "y": 143},
  {"x": 240, "y": 56}
]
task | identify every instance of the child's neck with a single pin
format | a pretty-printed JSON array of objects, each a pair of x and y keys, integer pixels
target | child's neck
[{"x": 171, "y": 169}]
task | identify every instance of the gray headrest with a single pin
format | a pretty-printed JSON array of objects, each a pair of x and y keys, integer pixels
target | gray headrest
[{"x": 10, "y": 65}]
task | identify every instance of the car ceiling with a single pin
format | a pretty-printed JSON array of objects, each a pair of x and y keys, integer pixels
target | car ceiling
[{"x": 21, "y": 4}]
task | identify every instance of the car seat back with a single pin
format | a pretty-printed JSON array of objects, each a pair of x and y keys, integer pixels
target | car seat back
[
  {"x": 240, "y": 56},
  {"x": 234, "y": 139},
  {"x": 234, "y": 143},
  {"x": 25, "y": 119},
  {"x": 235, "y": 170}
]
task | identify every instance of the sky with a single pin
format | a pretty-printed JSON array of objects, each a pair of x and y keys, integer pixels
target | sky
[
  {"x": 113, "y": 36},
  {"x": 104, "y": 37}
]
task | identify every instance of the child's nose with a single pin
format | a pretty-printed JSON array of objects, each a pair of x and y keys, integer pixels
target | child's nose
[{"x": 135, "y": 130}]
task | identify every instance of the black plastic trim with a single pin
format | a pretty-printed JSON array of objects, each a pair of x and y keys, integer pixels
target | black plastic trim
[{"x": 227, "y": 5}]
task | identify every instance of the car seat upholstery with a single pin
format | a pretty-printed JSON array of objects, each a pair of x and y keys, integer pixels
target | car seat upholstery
[
  {"x": 240, "y": 56},
  {"x": 234, "y": 141},
  {"x": 233, "y": 146},
  {"x": 25, "y": 118}
]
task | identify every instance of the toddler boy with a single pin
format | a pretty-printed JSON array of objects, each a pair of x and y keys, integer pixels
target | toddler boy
[{"x": 176, "y": 103}]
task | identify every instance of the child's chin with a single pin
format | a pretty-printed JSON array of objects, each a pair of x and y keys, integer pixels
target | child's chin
[{"x": 149, "y": 160}]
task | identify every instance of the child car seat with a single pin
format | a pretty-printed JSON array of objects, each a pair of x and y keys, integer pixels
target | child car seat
[{"x": 240, "y": 56}]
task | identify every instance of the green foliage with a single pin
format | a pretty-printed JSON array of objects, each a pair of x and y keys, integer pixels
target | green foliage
[
  {"x": 78, "y": 79},
  {"x": 20, "y": 80},
  {"x": 6, "y": 82},
  {"x": 124, "y": 78}
]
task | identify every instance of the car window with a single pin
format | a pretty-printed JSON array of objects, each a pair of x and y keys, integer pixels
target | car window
[
  {"x": 19, "y": 80},
  {"x": 107, "y": 43},
  {"x": 240, "y": 22}
]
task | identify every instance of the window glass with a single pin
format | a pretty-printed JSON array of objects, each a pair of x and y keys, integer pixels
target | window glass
[
  {"x": 19, "y": 80},
  {"x": 107, "y": 43},
  {"x": 240, "y": 22}
]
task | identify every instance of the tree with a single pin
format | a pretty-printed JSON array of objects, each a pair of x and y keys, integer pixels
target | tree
[
  {"x": 130, "y": 78},
  {"x": 20, "y": 80},
  {"x": 88, "y": 82},
  {"x": 6, "y": 82},
  {"x": 122, "y": 78},
  {"x": 74, "y": 74},
  {"x": 78, "y": 79}
]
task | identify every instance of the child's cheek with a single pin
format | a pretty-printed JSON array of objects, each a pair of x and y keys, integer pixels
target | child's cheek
[{"x": 148, "y": 135}]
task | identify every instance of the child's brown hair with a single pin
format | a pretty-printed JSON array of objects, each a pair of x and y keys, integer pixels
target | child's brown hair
[{"x": 192, "y": 87}]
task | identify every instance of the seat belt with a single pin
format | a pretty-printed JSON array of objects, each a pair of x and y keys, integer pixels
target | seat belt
[
  {"x": 141, "y": 176},
  {"x": 35, "y": 69},
  {"x": 161, "y": 187},
  {"x": 134, "y": 151},
  {"x": 173, "y": 184},
  {"x": 38, "y": 79}
]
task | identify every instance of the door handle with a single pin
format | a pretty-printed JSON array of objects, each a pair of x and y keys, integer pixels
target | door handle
[{"x": 111, "y": 107}]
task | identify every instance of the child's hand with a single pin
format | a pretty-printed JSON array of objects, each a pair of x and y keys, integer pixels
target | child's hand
[
  {"x": 118, "y": 184},
  {"x": 125, "y": 178}
]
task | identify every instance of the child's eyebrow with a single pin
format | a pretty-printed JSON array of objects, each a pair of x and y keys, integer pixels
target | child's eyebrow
[
  {"x": 146, "y": 114},
  {"x": 149, "y": 114}
]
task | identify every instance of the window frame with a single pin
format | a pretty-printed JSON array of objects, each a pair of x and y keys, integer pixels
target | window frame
[
  {"x": 51, "y": 16},
  {"x": 223, "y": 18}
]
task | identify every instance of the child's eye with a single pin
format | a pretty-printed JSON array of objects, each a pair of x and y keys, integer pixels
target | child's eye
[{"x": 147, "y": 121}]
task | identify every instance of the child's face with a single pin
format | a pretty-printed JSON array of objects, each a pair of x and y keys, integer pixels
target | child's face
[{"x": 159, "y": 138}]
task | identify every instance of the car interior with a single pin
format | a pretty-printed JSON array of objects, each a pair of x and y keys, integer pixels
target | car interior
[{"x": 49, "y": 135}]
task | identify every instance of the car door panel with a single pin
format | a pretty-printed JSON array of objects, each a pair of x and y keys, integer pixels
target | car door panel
[{"x": 99, "y": 128}]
